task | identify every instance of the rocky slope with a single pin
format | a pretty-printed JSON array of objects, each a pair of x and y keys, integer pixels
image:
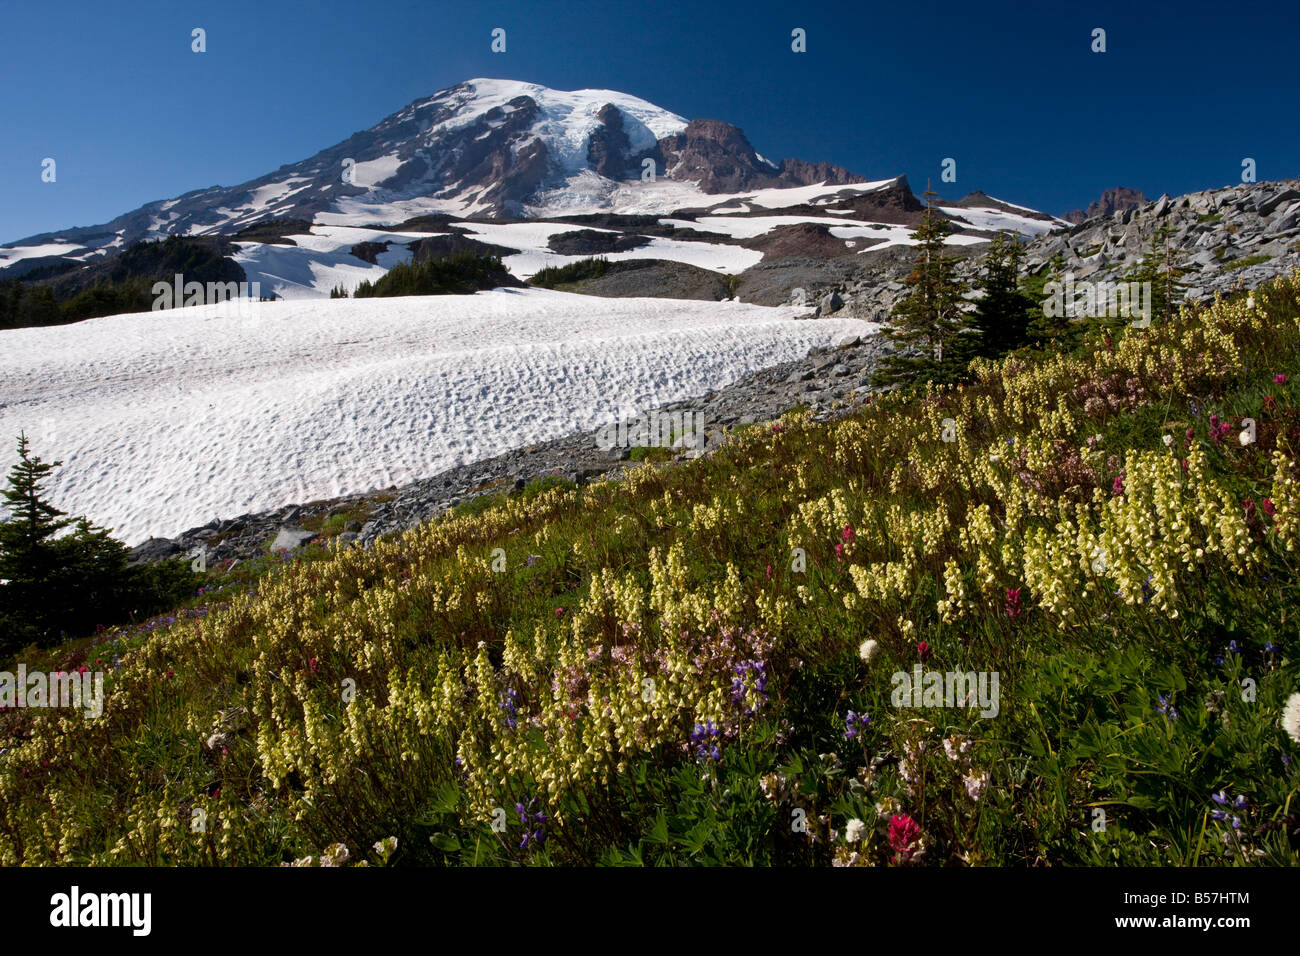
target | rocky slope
[{"x": 1238, "y": 236}]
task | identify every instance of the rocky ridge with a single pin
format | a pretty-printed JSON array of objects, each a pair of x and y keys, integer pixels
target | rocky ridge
[{"x": 1234, "y": 237}]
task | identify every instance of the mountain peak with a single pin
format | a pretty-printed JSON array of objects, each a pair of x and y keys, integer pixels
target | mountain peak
[{"x": 1112, "y": 201}]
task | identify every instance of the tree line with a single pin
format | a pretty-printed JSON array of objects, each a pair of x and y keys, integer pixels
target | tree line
[{"x": 938, "y": 331}]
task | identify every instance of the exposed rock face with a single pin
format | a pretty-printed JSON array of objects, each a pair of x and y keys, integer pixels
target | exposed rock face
[
  {"x": 590, "y": 242},
  {"x": 718, "y": 157},
  {"x": 610, "y": 152},
  {"x": 893, "y": 203},
  {"x": 799, "y": 239},
  {"x": 440, "y": 247},
  {"x": 1111, "y": 201}
]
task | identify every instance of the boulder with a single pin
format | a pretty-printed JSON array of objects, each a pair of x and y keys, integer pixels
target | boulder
[
  {"x": 830, "y": 302},
  {"x": 290, "y": 538},
  {"x": 155, "y": 549}
]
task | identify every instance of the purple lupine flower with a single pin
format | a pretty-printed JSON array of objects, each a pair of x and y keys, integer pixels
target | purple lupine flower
[
  {"x": 855, "y": 724},
  {"x": 509, "y": 703},
  {"x": 1164, "y": 706},
  {"x": 750, "y": 676},
  {"x": 705, "y": 739}
]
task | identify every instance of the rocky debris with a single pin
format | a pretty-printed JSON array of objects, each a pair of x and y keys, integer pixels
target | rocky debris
[
  {"x": 1213, "y": 230},
  {"x": 799, "y": 239},
  {"x": 453, "y": 244},
  {"x": 1229, "y": 238},
  {"x": 370, "y": 251},
  {"x": 830, "y": 302}
]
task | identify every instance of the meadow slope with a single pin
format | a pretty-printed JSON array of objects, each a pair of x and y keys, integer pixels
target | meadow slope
[{"x": 695, "y": 664}]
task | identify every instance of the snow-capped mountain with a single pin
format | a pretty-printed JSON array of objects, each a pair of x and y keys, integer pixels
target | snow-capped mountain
[{"x": 489, "y": 150}]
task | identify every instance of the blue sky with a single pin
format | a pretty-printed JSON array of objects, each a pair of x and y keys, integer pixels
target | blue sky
[{"x": 1011, "y": 91}]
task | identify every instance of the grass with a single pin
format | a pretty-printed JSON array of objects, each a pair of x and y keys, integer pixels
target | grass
[
  {"x": 665, "y": 666},
  {"x": 1248, "y": 261}
]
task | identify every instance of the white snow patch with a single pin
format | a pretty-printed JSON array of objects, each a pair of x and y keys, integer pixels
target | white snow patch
[
  {"x": 320, "y": 261},
  {"x": 17, "y": 253},
  {"x": 994, "y": 220},
  {"x": 373, "y": 172},
  {"x": 165, "y": 420}
]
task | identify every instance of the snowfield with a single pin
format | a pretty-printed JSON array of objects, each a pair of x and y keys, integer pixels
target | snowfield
[{"x": 166, "y": 420}]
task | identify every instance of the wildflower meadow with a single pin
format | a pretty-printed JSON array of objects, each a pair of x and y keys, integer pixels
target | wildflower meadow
[{"x": 1086, "y": 580}]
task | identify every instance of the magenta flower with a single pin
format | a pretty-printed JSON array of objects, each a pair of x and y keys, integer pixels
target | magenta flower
[
  {"x": 1013, "y": 602},
  {"x": 847, "y": 534},
  {"x": 1279, "y": 378},
  {"x": 903, "y": 834}
]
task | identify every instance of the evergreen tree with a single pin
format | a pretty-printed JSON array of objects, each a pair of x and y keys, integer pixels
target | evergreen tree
[
  {"x": 930, "y": 320},
  {"x": 1162, "y": 266},
  {"x": 27, "y": 554},
  {"x": 1046, "y": 331},
  {"x": 51, "y": 584},
  {"x": 1002, "y": 317}
]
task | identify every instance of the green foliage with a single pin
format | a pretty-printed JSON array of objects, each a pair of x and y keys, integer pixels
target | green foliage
[
  {"x": 1003, "y": 316},
  {"x": 930, "y": 321},
  {"x": 1249, "y": 261},
  {"x": 58, "y": 586},
  {"x": 1048, "y": 331},
  {"x": 57, "y": 295},
  {"x": 484, "y": 688},
  {"x": 338, "y": 292},
  {"x": 460, "y": 274},
  {"x": 649, "y": 453},
  {"x": 553, "y": 276},
  {"x": 1162, "y": 267}
]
